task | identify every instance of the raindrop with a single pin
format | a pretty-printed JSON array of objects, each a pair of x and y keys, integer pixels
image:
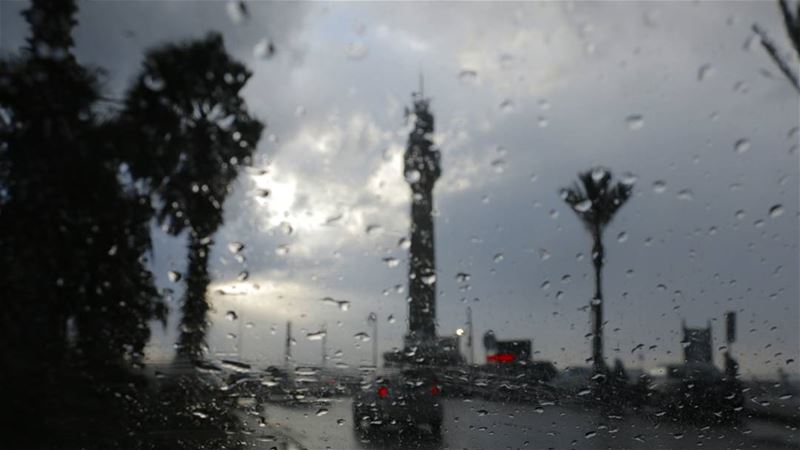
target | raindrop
[
  {"x": 685, "y": 194},
  {"x": 235, "y": 247},
  {"x": 739, "y": 214},
  {"x": 583, "y": 206},
  {"x": 776, "y": 211},
  {"x": 404, "y": 243},
  {"x": 507, "y": 106},
  {"x": 498, "y": 257},
  {"x": 322, "y": 412},
  {"x": 545, "y": 285},
  {"x": 462, "y": 277},
  {"x": 542, "y": 121},
  {"x": 628, "y": 179},
  {"x": 742, "y": 145},
  {"x": 316, "y": 336},
  {"x": 590, "y": 434},
  {"x": 705, "y": 71},
  {"x": 467, "y": 76},
  {"x": 356, "y": 51},
  {"x": 344, "y": 305},
  {"x": 243, "y": 276},
  {"x": 231, "y": 315},
  {"x": 153, "y": 83},
  {"x": 390, "y": 319},
  {"x": 429, "y": 279},
  {"x": 499, "y": 165},
  {"x": 262, "y": 193},
  {"x": 635, "y": 121},
  {"x": 282, "y": 250},
  {"x": 362, "y": 337},
  {"x": 413, "y": 175},
  {"x": 544, "y": 255},
  {"x": 598, "y": 173},
  {"x": 659, "y": 186},
  {"x": 622, "y": 236},
  {"x": 482, "y": 412},
  {"x": 373, "y": 229},
  {"x": 264, "y": 49},
  {"x": 391, "y": 261},
  {"x": 287, "y": 229},
  {"x": 174, "y": 276}
]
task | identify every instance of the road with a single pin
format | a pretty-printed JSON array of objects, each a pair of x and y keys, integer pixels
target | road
[{"x": 478, "y": 424}]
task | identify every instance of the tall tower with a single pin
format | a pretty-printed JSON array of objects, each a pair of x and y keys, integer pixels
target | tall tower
[{"x": 421, "y": 171}]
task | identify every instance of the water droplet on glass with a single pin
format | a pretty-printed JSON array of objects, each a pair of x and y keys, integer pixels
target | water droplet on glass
[
  {"x": 462, "y": 277},
  {"x": 498, "y": 257},
  {"x": 235, "y": 247},
  {"x": 287, "y": 229},
  {"x": 498, "y": 165},
  {"x": 282, "y": 250},
  {"x": 243, "y": 276},
  {"x": 174, "y": 276},
  {"x": 356, "y": 51},
  {"x": 740, "y": 214},
  {"x": 404, "y": 243},
  {"x": 413, "y": 176},
  {"x": 344, "y": 305},
  {"x": 542, "y": 121},
  {"x": 390, "y": 319},
  {"x": 316, "y": 336},
  {"x": 153, "y": 83},
  {"x": 583, "y": 206},
  {"x": 776, "y": 211},
  {"x": 373, "y": 229},
  {"x": 742, "y": 145},
  {"x": 362, "y": 337},
  {"x": 544, "y": 255},
  {"x": 507, "y": 106},
  {"x": 705, "y": 71},
  {"x": 635, "y": 121},
  {"x": 659, "y": 186},
  {"x": 429, "y": 279},
  {"x": 391, "y": 261},
  {"x": 467, "y": 76},
  {"x": 231, "y": 315},
  {"x": 322, "y": 412},
  {"x": 264, "y": 49},
  {"x": 685, "y": 194},
  {"x": 622, "y": 236}
]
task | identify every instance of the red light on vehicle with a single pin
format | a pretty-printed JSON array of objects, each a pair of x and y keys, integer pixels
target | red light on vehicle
[
  {"x": 383, "y": 392},
  {"x": 502, "y": 358},
  {"x": 435, "y": 390}
]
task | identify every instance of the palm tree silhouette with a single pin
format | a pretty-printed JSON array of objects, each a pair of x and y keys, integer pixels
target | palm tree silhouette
[
  {"x": 595, "y": 199},
  {"x": 192, "y": 132}
]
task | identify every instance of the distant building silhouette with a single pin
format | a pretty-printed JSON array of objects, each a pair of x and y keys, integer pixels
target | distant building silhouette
[
  {"x": 698, "y": 345},
  {"x": 421, "y": 170}
]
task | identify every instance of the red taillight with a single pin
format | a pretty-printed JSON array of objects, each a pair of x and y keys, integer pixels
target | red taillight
[
  {"x": 383, "y": 392},
  {"x": 435, "y": 390}
]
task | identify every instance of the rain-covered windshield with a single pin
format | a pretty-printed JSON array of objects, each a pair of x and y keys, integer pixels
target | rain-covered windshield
[{"x": 245, "y": 224}]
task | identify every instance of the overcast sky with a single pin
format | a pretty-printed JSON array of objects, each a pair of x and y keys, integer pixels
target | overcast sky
[{"x": 524, "y": 95}]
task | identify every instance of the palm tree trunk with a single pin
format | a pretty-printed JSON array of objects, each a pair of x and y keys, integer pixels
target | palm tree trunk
[
  {"x": 597, "y": 303},
  {"x": 191, "y": 343}
]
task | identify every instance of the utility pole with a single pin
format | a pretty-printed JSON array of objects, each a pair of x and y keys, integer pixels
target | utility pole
[
  {"x": 373, "y": 318},
  {"x": 288, "y": 351},
  {"x": 469, "y": 336},
  {"x": 324, "y": 342}
]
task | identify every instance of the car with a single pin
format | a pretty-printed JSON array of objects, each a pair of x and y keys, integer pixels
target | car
[{"x": 399, "y": 399}]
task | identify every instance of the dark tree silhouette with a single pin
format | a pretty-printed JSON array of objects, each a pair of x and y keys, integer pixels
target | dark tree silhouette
[
  {"x": 595, "y": 199},
  {"x": 190, "y": 131},
  {"x": 72, "y": 236}
]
